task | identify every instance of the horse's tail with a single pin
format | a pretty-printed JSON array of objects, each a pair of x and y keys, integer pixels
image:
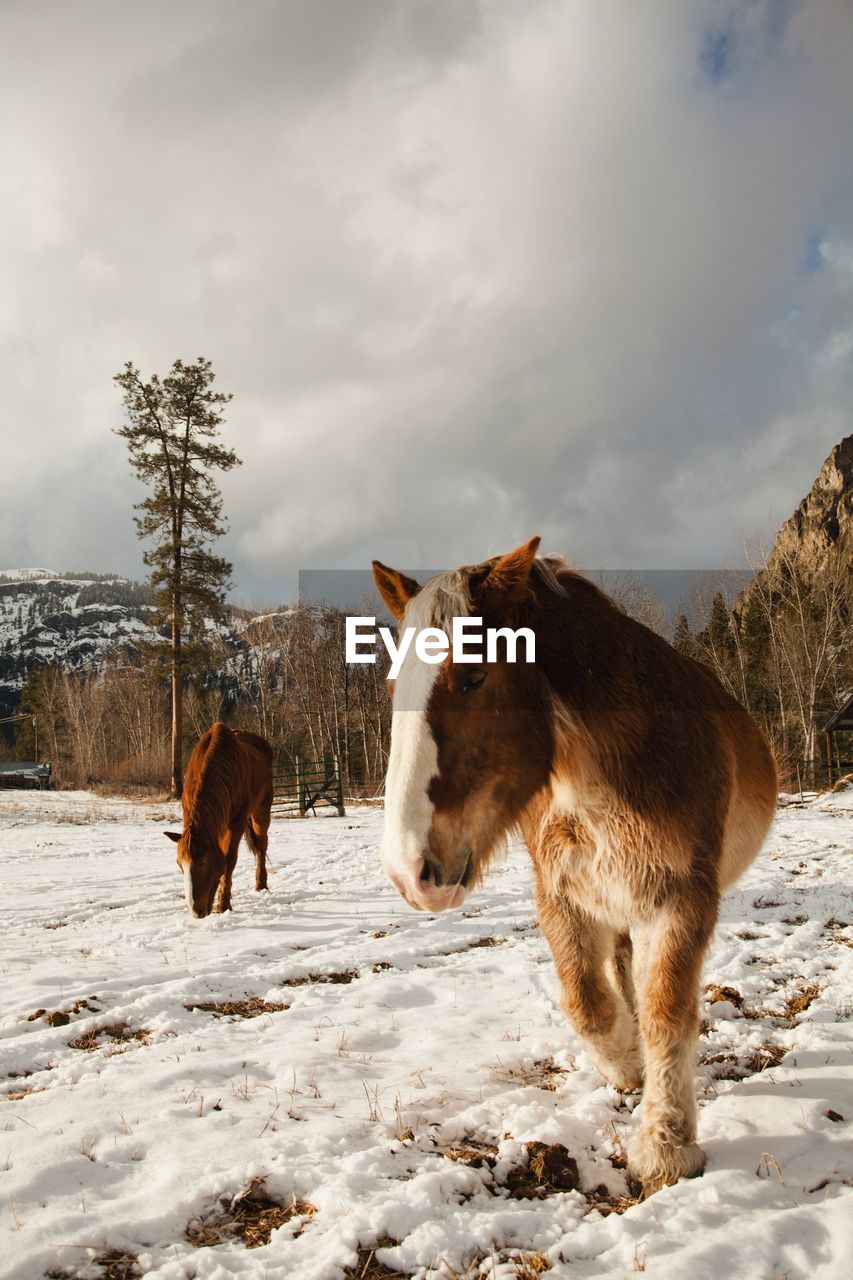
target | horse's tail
[{"x": 251, "y": 838}]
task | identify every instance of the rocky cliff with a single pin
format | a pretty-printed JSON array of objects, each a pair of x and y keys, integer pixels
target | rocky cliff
[
  {"x": 822, "y": 524},
  {"x": 819, "y": 531}
]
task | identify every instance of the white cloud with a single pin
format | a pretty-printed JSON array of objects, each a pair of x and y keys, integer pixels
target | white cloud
[{"x": 471, "y": 271}]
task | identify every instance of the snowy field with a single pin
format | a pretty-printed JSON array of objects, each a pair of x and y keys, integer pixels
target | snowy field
[{"x": 379, "y": 1104}]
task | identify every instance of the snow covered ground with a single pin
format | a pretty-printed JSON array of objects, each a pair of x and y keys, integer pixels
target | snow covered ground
[{"x": 396, "y": 1069}]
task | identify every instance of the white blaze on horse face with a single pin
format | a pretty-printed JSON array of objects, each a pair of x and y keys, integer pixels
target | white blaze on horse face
[
  {"x": 413, "y": 761},
  {"x": 188, "y": 886},
  {"x": 412, "y": 765}
]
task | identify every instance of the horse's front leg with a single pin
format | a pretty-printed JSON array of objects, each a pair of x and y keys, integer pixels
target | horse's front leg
[
  {"x": 223, "y": 902},
  {"x": 596, "y": 990},
  {"x": 668, "y": 960}
]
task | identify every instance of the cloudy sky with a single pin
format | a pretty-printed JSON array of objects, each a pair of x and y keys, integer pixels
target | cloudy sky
[{"x": 473, "y": 269}]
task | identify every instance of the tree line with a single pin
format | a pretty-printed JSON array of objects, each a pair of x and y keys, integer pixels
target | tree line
[
  {"x": 782, "y": 647},
  {"x": 281, "y": 674}
]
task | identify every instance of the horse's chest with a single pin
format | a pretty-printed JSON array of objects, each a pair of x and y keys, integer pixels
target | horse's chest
[{"x": 596, "y": 871}]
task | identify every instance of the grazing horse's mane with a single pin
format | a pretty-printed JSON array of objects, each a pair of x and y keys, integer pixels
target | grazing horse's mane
[{"x": 208, "y": 791}]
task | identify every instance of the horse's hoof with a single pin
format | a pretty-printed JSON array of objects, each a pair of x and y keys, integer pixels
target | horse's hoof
[
  {"x": 625, "y": 1075},
  {"x": 656, "y": 1162}
]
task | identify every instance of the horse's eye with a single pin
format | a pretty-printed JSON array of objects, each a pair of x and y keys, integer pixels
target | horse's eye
[{"x": 472, "y": 679}]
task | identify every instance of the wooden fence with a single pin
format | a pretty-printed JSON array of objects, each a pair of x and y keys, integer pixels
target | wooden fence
[{"x": 306, "y": 786}]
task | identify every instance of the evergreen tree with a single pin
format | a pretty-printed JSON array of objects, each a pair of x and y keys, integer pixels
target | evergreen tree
[
  {"x": 682, "y": 639},
  {"x": 172, "y": 440},
  {"x": 27, "y": 744},
  {"x": 719, "y": 626},
  {"x": 754, "y": 629}
]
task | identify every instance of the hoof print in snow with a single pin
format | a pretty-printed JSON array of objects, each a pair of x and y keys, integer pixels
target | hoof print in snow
[
  {"x": 476, "y": 945},
  {"x": 606, "y": 1203},
  {"x": 799, "y": 1001},
  {"x": 239, "y": 1008},
  {"x": 728, "y": 1066},
  {"x": 549, "y": 1170},
  {"x": 114, "y": 1264},
  {"x": 368, "y": 1267},
  {"x": 331, "y": 979},
  {"x": 474, "y": 1156},
  {"x": 251, "y": 1217}
]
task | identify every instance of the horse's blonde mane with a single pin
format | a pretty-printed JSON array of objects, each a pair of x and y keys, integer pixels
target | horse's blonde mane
[
  {"x": 440, "y": 600},
  {"x": 545, "y": 573},
  {"x": 448, "y": 596}
]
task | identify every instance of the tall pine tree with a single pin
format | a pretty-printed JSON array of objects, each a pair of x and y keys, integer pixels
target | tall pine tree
[
  {"x": 172, "y": 434},
  {"x": 682, "y": 639}
]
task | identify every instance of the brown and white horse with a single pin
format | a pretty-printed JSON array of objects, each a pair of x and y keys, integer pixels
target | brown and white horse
[
  {"x": 227, "y": 794},
  {"x": 641, "y": 788}
]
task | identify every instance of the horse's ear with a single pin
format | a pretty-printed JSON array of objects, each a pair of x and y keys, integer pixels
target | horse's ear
[
  {"x": 394, "y": 587},
  {"x": 173, "y": 835},
  {"x": 511, "y": 573}
]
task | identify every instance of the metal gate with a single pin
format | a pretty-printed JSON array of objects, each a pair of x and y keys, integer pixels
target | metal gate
[{"x": 305, "y": 786}]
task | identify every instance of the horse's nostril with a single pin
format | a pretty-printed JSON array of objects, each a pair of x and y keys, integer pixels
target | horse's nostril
[{"x": 431, "y": 871}]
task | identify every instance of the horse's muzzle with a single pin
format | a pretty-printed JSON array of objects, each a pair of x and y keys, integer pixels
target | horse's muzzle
[{"x": 432, "y": 889}]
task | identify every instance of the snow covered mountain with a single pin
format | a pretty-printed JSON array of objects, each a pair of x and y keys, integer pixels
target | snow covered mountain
[{"x": 70, "y": 618}]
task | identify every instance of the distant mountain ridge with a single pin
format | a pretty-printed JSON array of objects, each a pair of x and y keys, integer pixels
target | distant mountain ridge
[
  {"x": 72, "y": 619},
  {"x": 76, "y": 620}
]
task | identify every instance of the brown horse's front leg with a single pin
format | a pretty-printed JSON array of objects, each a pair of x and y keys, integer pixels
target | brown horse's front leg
[
  {"x": 223, "y": 902},
  {"x": 668, "y": 960},
  {"x": 596, "y": 993}
]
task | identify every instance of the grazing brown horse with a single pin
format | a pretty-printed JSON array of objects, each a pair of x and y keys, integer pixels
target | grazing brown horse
[
  {"x": 641, "y": 789},
  {"x": 227, "y": 794}
]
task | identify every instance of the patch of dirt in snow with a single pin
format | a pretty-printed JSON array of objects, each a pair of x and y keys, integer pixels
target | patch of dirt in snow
[
  {"x": 542, "y": 1073},
  {"x": 250, "y": 1008},
  {"x": 549, "y": 1169},
  {"x": 368, "y": 1266},
  {"x": 318, "y": 979},
  {"x": 115, "y": 1037},
  {"x": 250, "y": 1217}
]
